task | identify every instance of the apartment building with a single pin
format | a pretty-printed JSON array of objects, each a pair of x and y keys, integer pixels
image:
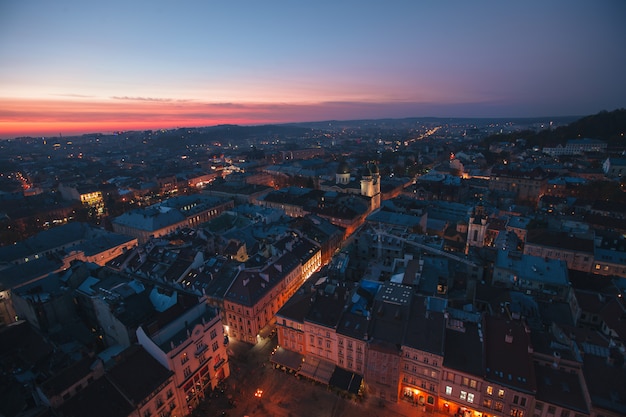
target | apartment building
[
  {"x": 254, "y": 297},
  {"x": 577, "y": 251},
  {"x": 523, "y": 184},
  {"x": 423, "y": 353},
  {"x": 190, "y": 342}
]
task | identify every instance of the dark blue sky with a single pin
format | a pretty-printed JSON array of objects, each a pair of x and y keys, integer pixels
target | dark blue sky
[{"x": 72, "y": 66}]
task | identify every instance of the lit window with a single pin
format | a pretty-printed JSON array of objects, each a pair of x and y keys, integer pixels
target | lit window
[
  {"x": 470, "y": 397},
  {"x": 448, "y": 390},
  {"x": 489, "y": 390},
  {"x": 463, "y": 395},
  {"x": 501, "y": 393}
]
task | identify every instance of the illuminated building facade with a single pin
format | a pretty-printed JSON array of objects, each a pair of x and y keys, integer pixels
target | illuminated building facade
[
  {"x": 254, "y": 297},
  {"x": 423, "y": 353},
  {"x": 193, "y": 347}
]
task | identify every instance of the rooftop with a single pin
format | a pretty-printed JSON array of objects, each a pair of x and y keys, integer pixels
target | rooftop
[
  {"x": 137, "y": 374},
  {"x": 508, "y": 357}
]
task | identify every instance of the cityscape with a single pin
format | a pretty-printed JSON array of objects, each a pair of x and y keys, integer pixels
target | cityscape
[
  {"x": 329, "y": 209},
  {"x": 463, "y": 267}
]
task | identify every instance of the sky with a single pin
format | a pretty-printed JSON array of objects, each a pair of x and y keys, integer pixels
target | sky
[{"x": 71, "y": 67}]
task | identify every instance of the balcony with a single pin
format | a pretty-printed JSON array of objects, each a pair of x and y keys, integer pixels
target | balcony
[
  {"x": 201, "y": 348},
  {"x": 219, "y": 364}
]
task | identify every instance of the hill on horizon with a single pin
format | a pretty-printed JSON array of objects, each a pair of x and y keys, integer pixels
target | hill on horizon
[{"x": 605, "y": 125}]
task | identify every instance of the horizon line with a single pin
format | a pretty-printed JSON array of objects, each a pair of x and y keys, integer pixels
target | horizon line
[{"x": 253, "y": 124}]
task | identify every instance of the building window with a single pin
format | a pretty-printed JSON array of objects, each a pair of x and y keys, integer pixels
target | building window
[
  {"x": 498, "y": 406},
  {"x": 487, "y": 403},
  {"x": 489, "y": 390},
  {"x": 187, "y": 371},
  {"x": 470, "y": 397},
  {"x": 523, "y": 402},
  {"x": 501, "y": 393},
  {"x": 463, "y": 395},
  {"x": 215, "y": 346},
  {"x": 473, "y": 384},
  {"x": 448, "y": 390},
  {"x": 213, "y": 334},
  {"x": 184, "y": 359}
]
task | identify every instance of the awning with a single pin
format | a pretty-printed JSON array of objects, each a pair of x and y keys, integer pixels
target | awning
[
  {"x": 287, "y": 358},
  {"x": 346, "y": 380},
  {"x": 317, "y": 369}
]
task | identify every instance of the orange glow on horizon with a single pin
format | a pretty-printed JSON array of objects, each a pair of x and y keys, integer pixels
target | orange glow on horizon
[
  {"x": 20, "y": 117},
  {"x": 78, "y": 115}
]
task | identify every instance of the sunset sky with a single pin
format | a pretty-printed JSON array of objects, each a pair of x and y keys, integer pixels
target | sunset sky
[{"x": 72, "y": 67}]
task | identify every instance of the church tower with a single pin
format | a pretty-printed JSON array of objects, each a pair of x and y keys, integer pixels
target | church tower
[
  {"x": 370, "y": 184},
  {"x": 477, "y": 227}
]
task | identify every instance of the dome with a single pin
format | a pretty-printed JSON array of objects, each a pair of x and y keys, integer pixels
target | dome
[
  {"x": 343, "y": 168},
  {"x": 374, "y": 168},
  {"x": 365, "y": 172}
]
